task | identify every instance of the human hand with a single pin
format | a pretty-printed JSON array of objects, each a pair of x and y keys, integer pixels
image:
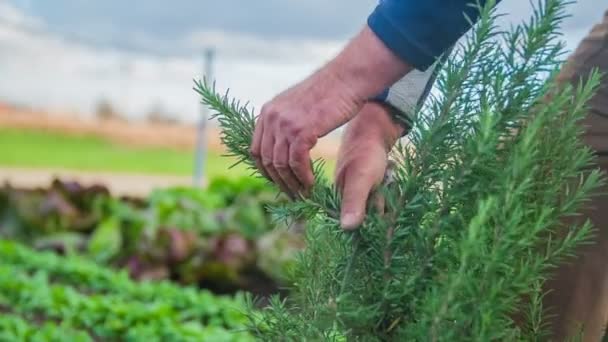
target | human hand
[
  {"x": 290, "y": 124},
  {"x": 288, "y": 128},
  {"x": 362, "y": 160}
]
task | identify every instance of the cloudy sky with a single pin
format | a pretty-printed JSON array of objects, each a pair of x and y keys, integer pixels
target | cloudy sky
[{"x": 70, "y": 54}]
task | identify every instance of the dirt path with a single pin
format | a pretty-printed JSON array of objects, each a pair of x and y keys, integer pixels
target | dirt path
[{"x": 118, "y": 183}]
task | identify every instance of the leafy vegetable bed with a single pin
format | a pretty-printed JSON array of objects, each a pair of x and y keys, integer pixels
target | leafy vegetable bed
[
  {"x": 220, "y": 238},
  {"x": 52, "y": 298}
]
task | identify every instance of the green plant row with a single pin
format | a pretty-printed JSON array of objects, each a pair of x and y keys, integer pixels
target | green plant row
[
  {"x": 190, "y": 303},
  {"x": 15, "y": 328},
  {"x": 176, "y": 233},
  {"x": 107, "y": 317}
]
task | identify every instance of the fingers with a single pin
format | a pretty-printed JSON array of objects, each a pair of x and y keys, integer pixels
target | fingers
[
  {"x": 299, "y": 163},
  {"x": 281, "y": 152},
  {"x": 256, "y": 148},
  {"x": 281, "y": 164},
  {"x": 267, "y": 149},
  {"x": 356, "y": 189}
]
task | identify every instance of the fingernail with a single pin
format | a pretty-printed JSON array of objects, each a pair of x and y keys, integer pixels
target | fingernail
[{"x": 350, "y": 221}]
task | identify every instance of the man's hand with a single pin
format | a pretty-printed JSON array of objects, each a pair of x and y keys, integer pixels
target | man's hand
[
  {"x": 289, "y": 125},
  {"x": 362, "y": 160}
]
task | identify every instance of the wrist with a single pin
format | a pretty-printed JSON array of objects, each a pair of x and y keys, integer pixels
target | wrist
[{"x": 374, "y": 124}]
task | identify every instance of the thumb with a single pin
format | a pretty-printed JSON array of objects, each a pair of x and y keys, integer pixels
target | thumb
[{"x": 355, "y": 192}]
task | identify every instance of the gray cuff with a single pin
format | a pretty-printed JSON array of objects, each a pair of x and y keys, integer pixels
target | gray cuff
[{"x": 407, "y": 95}]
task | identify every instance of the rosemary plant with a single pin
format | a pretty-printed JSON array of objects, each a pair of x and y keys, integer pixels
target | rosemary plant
[{"x": 474, "y": 220}]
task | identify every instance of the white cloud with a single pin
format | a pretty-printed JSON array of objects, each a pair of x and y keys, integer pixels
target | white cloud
[
  {"x": 46, "y": 71},
  {"x": 238, "y": 45},
  {"x": 40, "y": 69}
]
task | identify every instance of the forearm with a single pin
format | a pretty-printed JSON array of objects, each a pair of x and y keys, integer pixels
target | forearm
[{"x": 364, "y": 67}]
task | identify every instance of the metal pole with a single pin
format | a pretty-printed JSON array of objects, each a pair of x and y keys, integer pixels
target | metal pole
[
  {"x": 125, "y": 69},
  {"x": 200, "y": 156}
]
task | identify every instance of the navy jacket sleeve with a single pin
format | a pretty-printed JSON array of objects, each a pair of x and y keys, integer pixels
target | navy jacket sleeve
[{"x": 419, "y": 31}]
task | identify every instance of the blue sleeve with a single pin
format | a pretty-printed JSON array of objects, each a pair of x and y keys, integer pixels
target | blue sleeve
[{"x": 420, "y": 31}]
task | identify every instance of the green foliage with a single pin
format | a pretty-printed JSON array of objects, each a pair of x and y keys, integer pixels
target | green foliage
[
  {"x": 208, "y": 236},
  {"x": 106, "y": 240},
  {"x": 225, "y": 206},
  {"x": 42, "y": 149},
  {"x": 476, "y": 216},
  {"x": 81, "y": 295},
  {"x": 15, "y": 328}
]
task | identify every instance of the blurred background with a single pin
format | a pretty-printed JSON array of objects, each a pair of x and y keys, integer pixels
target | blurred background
[
  {"x": 104, "y": 150},
  {"x": 101, "y": 90}
]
